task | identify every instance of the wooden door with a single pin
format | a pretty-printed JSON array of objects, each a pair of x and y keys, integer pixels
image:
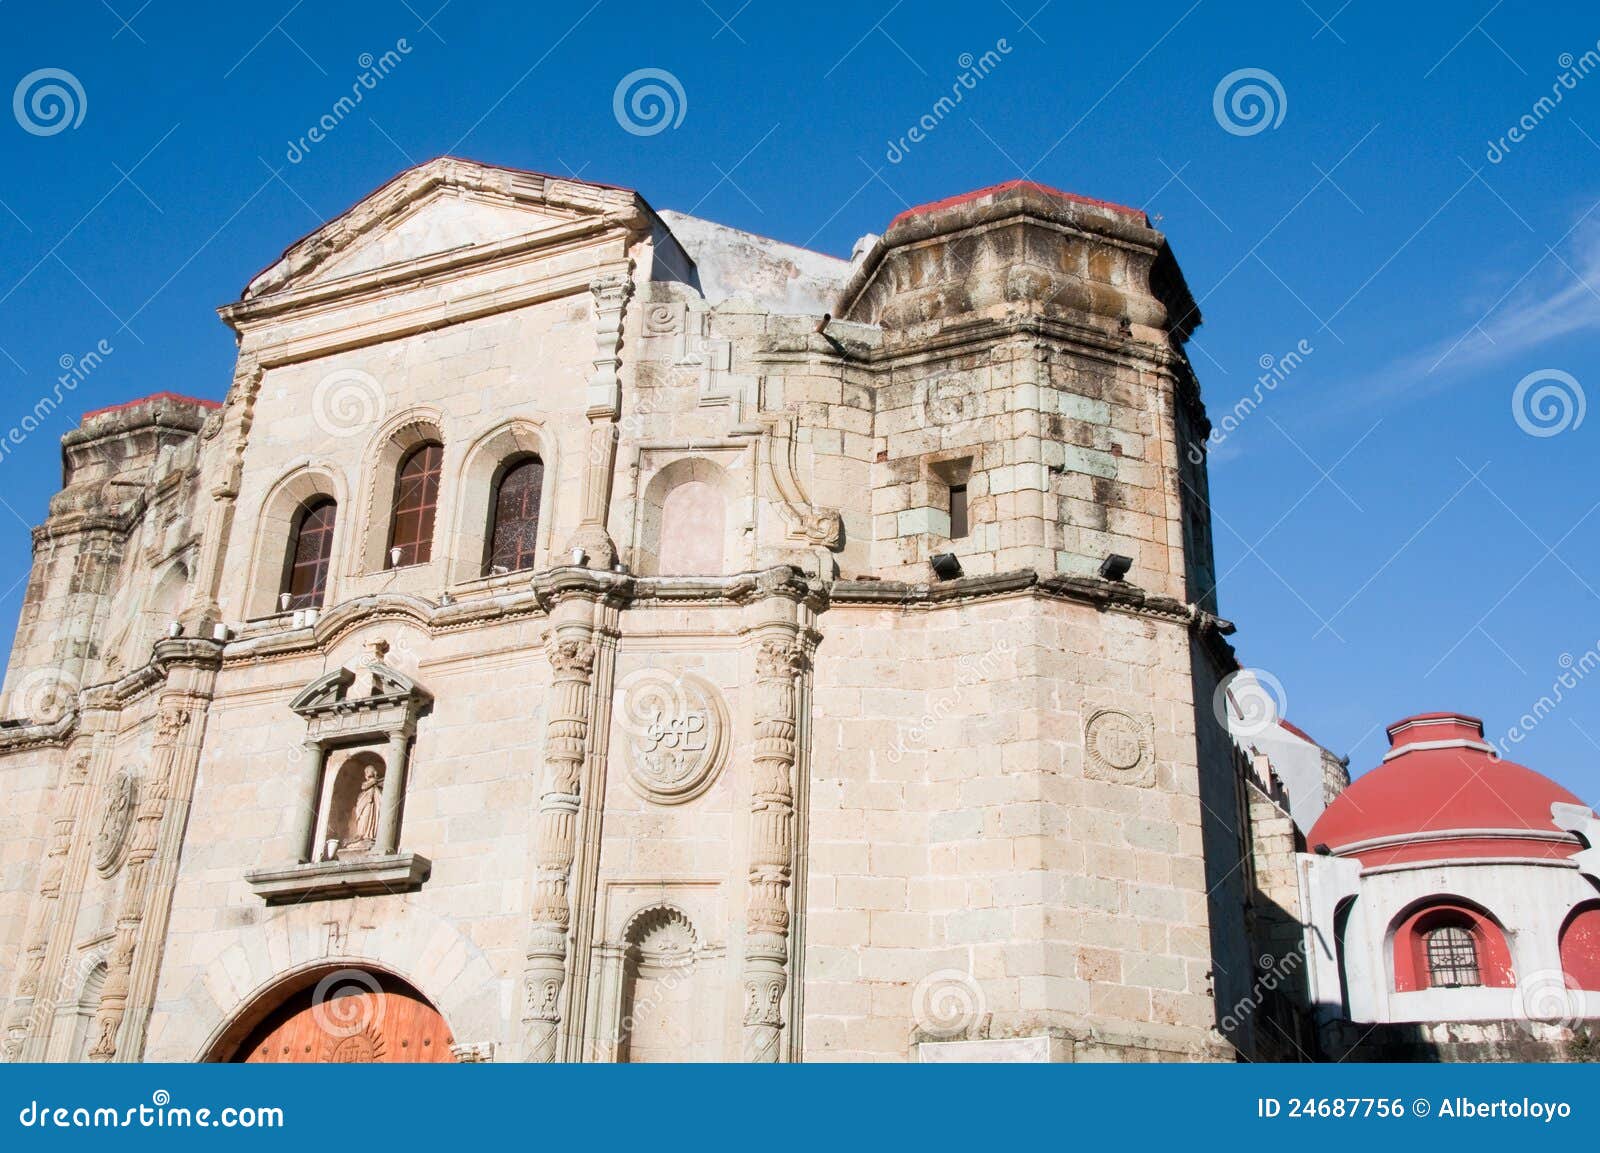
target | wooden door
[{"x": 389, "y": 1023}]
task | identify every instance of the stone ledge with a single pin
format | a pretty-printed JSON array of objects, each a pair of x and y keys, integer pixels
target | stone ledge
[{"x": 366, "y": 876}]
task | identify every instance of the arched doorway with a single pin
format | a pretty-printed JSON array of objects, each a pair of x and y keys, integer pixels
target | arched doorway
[{"x": 346, "y": 1015}]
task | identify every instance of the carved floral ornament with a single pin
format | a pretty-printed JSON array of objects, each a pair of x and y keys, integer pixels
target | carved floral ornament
[
  {"x": 676, "y": 727},
  {"x": 116, "y": 816}
]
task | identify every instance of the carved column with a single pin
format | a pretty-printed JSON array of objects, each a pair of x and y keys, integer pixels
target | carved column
[
  {"x": 572, "y": 655},
  {"x": 610, "y": 292},
  {"x": 19, "y": 1021},
  {"x": 394, "y": 789},
  {"x": 306, "y": 823},
  {"x": 154, "y": 795},
  {"x": 779, "y": 658}
]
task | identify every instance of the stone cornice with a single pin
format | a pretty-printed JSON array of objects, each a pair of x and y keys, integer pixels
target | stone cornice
[{"x": 16, "y": 736}]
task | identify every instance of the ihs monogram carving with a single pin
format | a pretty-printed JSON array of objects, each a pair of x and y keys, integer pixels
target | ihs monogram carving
[
  {"x": 677, "y": 727},
  {"x": 1118, "y": 748},
  {"x": 117, "y": 815}
]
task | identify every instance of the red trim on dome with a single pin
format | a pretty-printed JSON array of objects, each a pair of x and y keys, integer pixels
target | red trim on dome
[
  {"x": 1007, "y": 186},
  {"x": 173, "y": 396},
  {"x": 1458, "y": 788}
]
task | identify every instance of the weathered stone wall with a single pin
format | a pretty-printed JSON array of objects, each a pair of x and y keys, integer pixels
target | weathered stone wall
[{"x": 800, "y": 804}]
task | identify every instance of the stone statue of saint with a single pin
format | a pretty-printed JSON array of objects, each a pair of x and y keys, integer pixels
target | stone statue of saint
[{"x": 364, "y": 820}]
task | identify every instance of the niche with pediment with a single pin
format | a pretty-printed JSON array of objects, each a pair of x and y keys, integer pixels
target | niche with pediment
[{"x": 360, "y": 722}]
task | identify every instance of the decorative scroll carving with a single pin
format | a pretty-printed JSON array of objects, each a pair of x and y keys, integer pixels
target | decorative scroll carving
[
  {"x": 112, "y": 835},
  {"x": 677, "y": 729},
  {"x": 779, "y": 659},
  {"x": 151, "y": 808},
  {"x": 566, "y": 741},
  {"x": 818, "y": 526}
]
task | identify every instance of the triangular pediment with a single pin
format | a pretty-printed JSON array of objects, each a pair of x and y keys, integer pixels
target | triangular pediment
[
  {"x": 439, "y": 209},
  {"x": 364, "y": 686}
]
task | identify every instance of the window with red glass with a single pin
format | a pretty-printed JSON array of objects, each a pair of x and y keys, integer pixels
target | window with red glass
[
  {"x": 416, "y": 503},
  {"x": 515, "y": 525},
  {"x": 310, "y": 554}
]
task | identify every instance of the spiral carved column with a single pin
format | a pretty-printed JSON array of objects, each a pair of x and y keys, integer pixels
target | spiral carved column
[
  {"x": 572, "y": 655},
  {"x": 779, "y": 658},
  {"x": 143, "y": 840},
  {"x": 19, "y": 1021}
]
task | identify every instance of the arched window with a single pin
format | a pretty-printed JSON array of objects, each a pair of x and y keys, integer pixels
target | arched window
[
  {"x": 1450, "y": 945},
  {"x": 416, "y": 501},
  {"x": 514, "y": 523},
  {"x": 1580, "y": 947},
  {"x": 1452, "y": 958},
  {"x": 305, "y": 577}
]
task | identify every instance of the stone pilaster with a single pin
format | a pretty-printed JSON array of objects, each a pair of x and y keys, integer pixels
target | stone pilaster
[
  {"x": 144, "y": 839},
  {"x": 572, "y": 656},
  {"x": 20, "y": 1019},
  {"x": 610, "y": 292},
  {"x": 780, "y": 657},
  {"x": 232, "y": 426}
]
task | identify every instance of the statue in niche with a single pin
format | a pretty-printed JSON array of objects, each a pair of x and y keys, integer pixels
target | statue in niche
[{"x": 364, "y": 817}]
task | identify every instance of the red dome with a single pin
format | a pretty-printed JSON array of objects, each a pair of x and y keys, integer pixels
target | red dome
[{"x": 1438, "y": 785}]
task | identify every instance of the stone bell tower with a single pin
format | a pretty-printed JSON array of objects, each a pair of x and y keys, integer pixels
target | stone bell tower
[{"x": 1052, "y": 825}]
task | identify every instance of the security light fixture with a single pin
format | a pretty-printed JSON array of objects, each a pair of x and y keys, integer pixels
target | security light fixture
[
  {"x": 1115, "y": 566},
  {"x": 945, "y": 565}
]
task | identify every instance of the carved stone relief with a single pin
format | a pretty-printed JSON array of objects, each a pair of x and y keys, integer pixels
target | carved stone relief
[
  {"x": 1118, "y": 748},
  {"x": 116, "y": 816},
  {"x": 676, "y": 728}
]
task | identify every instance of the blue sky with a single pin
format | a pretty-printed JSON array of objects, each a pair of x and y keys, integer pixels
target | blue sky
[{"x": 1390, "y": 536}]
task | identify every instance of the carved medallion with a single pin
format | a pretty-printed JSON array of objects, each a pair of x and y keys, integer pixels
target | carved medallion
[
  {"x": 677, "y": 734},
  {"x": 111, "y": 836},
  {"x": 1118, "y": 748}
]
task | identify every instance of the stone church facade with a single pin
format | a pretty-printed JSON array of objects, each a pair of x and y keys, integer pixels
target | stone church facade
[{"x": 591, "y": 633}]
